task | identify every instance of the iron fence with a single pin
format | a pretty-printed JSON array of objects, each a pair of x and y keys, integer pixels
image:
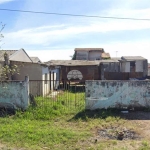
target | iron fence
[{"x": 68, "y": 96}]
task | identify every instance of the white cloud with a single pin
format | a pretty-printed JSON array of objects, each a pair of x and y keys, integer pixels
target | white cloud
[
  {"x": 5, "y": 1},
  {"x": 45, "y": 35},
  {"x": 46, "y": 55},
  {"x": 139, "y": 48}
]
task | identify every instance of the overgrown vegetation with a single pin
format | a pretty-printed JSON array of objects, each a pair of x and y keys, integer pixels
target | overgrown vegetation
[{"x": 62, "y": 123}]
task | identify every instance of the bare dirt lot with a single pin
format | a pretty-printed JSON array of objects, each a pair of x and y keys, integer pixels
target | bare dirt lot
[{"x": 133, "y": 134}]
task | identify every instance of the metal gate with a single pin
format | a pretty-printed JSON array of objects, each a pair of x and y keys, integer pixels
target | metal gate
[{"x": 65, "y": 95}]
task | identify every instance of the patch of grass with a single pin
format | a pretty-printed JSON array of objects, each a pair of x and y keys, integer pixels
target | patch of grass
[
  {"x": 58, "y": 123},
  {"x": 145, "y": 146},
  {"x": 48, "y": 107}
]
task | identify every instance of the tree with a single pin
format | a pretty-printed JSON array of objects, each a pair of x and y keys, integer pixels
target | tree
[
  {"x": 74, "y": 56},
  {"x": 6, "y": 70},
  {"x": 1, "y": 35}
]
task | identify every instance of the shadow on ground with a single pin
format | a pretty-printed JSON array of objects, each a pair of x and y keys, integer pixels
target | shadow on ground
[
  {"x": 6, "y": 112},
  {"x": 104, "y": 113}
]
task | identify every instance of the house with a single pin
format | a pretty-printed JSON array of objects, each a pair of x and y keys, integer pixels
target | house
[
  {"x": 28, "y": 66},
  {"x": 90, "y": 54},
  {"x": 62, "y": 68},
  {"x": 149, "y": 69},
  {"x": 124, "y": 68},
  {"x": 109, "y": 69},
  {"x": 137, "y": 66}
]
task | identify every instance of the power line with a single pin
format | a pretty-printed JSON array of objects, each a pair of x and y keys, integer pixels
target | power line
[{"x": 75, "y": 15}]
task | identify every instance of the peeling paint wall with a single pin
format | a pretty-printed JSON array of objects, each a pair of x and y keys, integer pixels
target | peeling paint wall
[
  {"x": 14, "y": 94},
  {"x": 117, "y": 94}
]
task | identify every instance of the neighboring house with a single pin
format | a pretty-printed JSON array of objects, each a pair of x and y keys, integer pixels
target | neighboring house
[
  {"x": 136, "y": 65},
  {"x": 149, "y": 69},
  {"x": 31, "y": 67},
  {"x": 124, "y": 68},
  {"x": 90, "y": 54},
  {"x": 110, "y": 69},
  {"x": 88, "y": 69}
]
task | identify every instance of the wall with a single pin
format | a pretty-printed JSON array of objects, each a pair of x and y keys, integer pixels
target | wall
[
  {"x": 117, "y": 94},
  {"x": 125, "y": 66},
  {"x": 14, "y": 94},
  {"x": 88, "y": 72},
  {"x": 55, "y": 78},
  {"x": 93, "y": 55},
  {"x": 111, "y": 67},
  {"x": 139, "y": 66},
  {"x": 45, "y": 82},
  {"x": 82, "y": 55},
  {"x": 145, "y": 68},
  {"x": 33, "y": 70}
]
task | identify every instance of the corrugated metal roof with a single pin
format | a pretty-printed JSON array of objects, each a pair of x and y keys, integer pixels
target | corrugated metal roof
[
  {"x": 77, "y": 62},
  {"x": 9, "y": 52},
  {"x": 89, "y": 49},
  {"x": 130, "y": 58}
]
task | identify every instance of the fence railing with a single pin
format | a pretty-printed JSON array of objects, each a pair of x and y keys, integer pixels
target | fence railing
[{"x": 59, "y": 95}]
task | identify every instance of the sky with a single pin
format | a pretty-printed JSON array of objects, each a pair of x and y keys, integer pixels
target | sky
[{"x": 52, "y": 37}]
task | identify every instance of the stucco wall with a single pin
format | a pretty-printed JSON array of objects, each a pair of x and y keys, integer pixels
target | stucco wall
[
  {"x": 117, "y": 94},
  {"x": 14, "y": 94}
]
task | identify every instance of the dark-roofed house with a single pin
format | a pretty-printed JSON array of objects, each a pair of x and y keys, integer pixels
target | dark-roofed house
[
  {"x": 88, "y": 53},
  {"x": 122, "y": 68}
]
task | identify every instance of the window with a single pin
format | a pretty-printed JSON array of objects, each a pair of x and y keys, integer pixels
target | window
[{"x": 46, "y": 78}]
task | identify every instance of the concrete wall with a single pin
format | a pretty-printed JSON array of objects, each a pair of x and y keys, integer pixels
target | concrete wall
[
  {"x": 117, "y": 94},
  {"x": 14, "y": 94}
]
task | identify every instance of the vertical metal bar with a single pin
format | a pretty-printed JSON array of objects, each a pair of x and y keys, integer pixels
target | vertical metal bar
[
  {"x": 75, "y": 96},
  {"x": 53, "y": 80},
  {"x": 50, "y": 79}
]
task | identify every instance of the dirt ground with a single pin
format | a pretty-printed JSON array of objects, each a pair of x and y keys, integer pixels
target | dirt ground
[
  {"x": 136, "y": 130},
  {"x": 141, "y": 121}
]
